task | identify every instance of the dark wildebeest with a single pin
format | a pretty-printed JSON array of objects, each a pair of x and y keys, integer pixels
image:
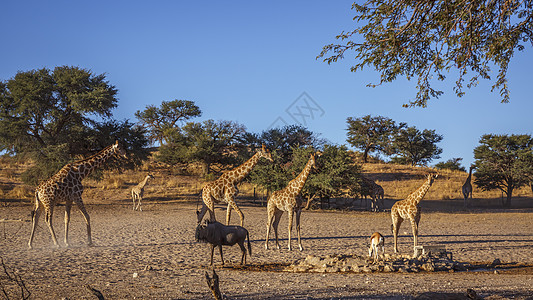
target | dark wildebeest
[{"x": 218, "y": 234}]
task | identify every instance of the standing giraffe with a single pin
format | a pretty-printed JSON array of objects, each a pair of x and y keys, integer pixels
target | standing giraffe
[
  {"x": 375, "y": 191},
  {"x": 137, "y": 192},
  {"x": 66, "y": 186},
  {"x": 467, "y": 186},
  {"x": 409, "y": 209},
  {"x": 225, "y": 188},
  {"x": 288, "y": 200}
]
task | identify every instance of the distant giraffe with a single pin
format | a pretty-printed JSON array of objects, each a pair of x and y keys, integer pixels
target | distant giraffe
[
  {"x": 66, "y": 186},
  {"x": 375, "y": 191},
  {"x": 289, "y": 200},
  {"x": 225, "y": 188},
  {"x": 409, "y": 209},
  {"x": 137, "y": 192},
  {"x": 467, "y": 187}
]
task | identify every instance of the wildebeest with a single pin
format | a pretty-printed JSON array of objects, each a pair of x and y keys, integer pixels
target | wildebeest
[{"x": 218, "y": 234}]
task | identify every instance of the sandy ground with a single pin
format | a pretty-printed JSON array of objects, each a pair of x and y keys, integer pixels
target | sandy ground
[{"x": 152, "y": 254}]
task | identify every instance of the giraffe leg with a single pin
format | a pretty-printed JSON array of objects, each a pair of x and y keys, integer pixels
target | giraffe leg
[
  {"x": 277, "y": 218},
  {"x": 414, "y": 225},
  {"x": 290, "y": 215},
  {"x": 49, "y": 213},
  {"x": 80, "y": 205},
  {"x": 139, "y": 204},
  {"x": 68, "y": 205},
  {"x": 237, "y": 209},
  {"x": 133, "y": 197},
  {"x": 270, "y": 219},
  {"x": 298, "y": 213},
  {"x": 396, "y": 222},
  {"x": 34, "y": 221},
  {"x": 228, "y": 214}
]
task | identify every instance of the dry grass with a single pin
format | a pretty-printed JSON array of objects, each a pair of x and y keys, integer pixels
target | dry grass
[
  {"x": 399, "y": 181},
  {"x": 181, "y": 183}
]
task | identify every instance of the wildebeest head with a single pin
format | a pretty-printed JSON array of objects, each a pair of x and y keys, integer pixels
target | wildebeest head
[{"x": 201, "y": 232}]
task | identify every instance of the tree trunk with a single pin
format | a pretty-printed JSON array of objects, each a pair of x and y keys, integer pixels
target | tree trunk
[
  {"x": 509, "y": 194},
  {"x": 365, "y": 154}
]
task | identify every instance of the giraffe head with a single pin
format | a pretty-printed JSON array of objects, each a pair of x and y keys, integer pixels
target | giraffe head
[
  {"x": 264, "y": 152},
  {"x": 431, "y": 178},
  {"x": 150, "y": 176},
  {"x": 119, "y": 150}
]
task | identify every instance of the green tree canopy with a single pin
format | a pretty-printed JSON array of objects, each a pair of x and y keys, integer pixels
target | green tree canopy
[
  {"x": 162, "y": 121},
  {"x": 372, "y": 134},
  {"x": 336, "y": 174},
  {"x": 53, "y": 118},
  {"x": 283, "y": 140},
  {"x": 428, "y": 39},
  {"x": 416, "y": 147},
  {"x": 504, "y": 162},
  {"x": 42, "y": 107},
  {"x": 207, "y": 143},
  {"x": 453, "y": 164}
]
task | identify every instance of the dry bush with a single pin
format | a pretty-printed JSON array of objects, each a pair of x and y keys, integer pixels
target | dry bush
[{"x": 22, "y": 192}]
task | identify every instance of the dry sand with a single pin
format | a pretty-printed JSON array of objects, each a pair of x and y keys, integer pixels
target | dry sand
[{"x": 152, "y": 254}]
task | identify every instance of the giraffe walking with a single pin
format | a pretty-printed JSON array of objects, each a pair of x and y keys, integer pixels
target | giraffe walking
[
  {"x": 467, "y": 187},
  {"x": 137, "y": 192},
  {"x": 225, "y": 188},
  {"x": 288, "y": 200},
  {"x": 66, "y": 186},
  {"x": 409, "y": 209}
]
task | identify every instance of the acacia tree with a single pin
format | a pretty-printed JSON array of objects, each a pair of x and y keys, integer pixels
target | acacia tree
[
  {"x": 162, "y": 121},
  {"x": 427, "y": 39},
  {"x": 504, "y": 162},
  {"x": 49, "y": 116},
  {"x": 207, "y": 143},
  {"x": 372, "y": 134},
  {"x": 416, "y": 147},
  {"x": 453, "y": 164}
]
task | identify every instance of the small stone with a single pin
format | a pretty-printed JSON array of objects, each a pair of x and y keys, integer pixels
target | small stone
[{"x": 135, "y": 275}]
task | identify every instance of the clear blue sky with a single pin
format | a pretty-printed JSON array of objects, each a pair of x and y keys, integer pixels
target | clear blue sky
[{"x": 246, "y": 61}]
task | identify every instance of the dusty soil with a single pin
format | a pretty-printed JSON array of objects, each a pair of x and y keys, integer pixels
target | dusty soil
[{"x": 152, "y": 254}]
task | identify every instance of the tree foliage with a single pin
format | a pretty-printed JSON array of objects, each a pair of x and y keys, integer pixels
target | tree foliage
[
  {"x": 207, "y": 143},
  {"x": 162, "y": 121},
  {"x": 53, "y": 117},
  {"x": 372, "y": 134},
  {"x": 287, "y": 138},
  {"x": 504, "y": 162},
  {"x": 428, "y": 39},
  {"x": 416, "y": 147},
  {"x": 336, "y": 174},
  {"x": 453, "y": 164}
]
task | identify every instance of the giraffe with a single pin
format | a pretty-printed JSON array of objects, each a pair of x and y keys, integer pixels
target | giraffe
[
  {"x": 374, "y": 190},
  {"x": 66, "y": 186},
  {"x": 409, "y": 209},
  {"x": 137, "y": 192},
  {"x": 225, "y": 188},
  {"x": 467, "y": 186},
  {"x": 288, "y": 200}
]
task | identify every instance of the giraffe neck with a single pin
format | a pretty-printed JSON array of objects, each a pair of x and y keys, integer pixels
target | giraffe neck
[
  {"x": 419, "y": 194},
  {"x": 469, "y": 175},
  {"x": 84, "y": 167},
  {"x": 296, "y": 185},
  {"x": 143, "y": 183},
  {"x": 238, "y": 174}
]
